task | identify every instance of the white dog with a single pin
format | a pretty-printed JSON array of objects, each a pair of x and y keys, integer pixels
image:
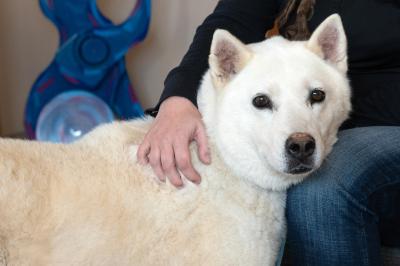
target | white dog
[{"x": 272, "y": 111}]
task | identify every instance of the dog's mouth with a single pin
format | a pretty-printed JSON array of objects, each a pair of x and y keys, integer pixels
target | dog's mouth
[
  {"x": 297, "y": 167},
  {"x": 300, "y": 169}
]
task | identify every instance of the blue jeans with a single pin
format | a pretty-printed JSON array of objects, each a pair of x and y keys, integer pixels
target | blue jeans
[{"x": 337, "y": 215}]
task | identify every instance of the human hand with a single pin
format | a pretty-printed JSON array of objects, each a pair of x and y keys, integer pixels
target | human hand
[{"x": 166, "y": 144}]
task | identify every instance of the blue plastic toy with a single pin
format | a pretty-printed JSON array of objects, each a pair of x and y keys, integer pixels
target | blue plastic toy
[{"x": 89, "y": 63}]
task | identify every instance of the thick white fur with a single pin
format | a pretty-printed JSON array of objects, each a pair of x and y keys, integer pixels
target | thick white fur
[{"x": 90, "y": 203}]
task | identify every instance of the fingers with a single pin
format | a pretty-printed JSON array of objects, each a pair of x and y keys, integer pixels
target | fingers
[
  {"x": 202, "y": 142},
  {"x": 166, "y": 144},
  {"x": 166, "y": 161},
  {"x": 155, "y": 162},
  {"x": 162, "y": 161},
  {"x": 142, "y": 152},
  {"x": 165, "y": 158},
  {"x": 169, "y": 166},
  {"x": 184, "y": 162}
]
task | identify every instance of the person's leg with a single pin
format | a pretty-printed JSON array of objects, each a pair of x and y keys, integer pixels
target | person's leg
[{"x": 331, "y": 217}]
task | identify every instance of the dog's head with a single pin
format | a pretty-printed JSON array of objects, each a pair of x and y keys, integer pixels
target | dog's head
[{"x": 274, "y": 108}]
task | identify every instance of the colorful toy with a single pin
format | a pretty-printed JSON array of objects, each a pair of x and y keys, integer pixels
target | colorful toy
[{"x": 89, "y": 63}]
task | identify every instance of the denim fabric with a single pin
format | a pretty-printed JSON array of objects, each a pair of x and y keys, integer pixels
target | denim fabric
[{"x": 335, "y": 216}]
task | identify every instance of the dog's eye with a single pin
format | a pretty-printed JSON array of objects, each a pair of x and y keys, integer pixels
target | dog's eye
[
  {"x": 317, "y": 96},
  {"x": 262, "y": 102}
]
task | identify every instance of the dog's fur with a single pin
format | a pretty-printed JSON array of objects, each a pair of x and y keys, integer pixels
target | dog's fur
[{"x": 90, "y": 203}]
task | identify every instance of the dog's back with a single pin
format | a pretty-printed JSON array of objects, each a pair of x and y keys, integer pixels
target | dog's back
[{"x": 89, "y": 203}]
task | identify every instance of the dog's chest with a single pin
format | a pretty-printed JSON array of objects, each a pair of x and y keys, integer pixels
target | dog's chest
[{"x": 255, "y": 224}]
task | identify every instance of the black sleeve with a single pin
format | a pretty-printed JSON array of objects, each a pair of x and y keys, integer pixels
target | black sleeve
[{"x": 248, "y": 20}]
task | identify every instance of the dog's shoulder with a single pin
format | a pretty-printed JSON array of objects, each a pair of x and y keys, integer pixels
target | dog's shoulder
[{"x": 118, "y": 133}]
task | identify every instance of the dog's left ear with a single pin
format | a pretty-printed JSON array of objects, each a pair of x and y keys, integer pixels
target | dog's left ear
[
  {"x": 228, "y": 56},
  {"x": 329, "y": 42}
]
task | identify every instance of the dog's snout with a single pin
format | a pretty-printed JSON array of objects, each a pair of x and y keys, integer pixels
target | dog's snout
[{"x": 300, "y": 146}]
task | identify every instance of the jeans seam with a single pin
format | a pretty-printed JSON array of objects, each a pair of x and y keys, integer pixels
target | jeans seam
[
  {"x": 359, "y": 203},
  {"x": 351, "y": 198},
  {"x": 397, "y": 182},
  {"x": 365, "y": 210},
  {"x": 365, "y": 252}
]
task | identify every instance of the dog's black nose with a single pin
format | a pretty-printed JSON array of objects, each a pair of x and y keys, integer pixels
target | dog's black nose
[{"x": 300, "y": 146}]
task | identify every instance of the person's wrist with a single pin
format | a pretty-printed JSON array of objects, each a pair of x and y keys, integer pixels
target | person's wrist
[{"x": 176, "y": 101}]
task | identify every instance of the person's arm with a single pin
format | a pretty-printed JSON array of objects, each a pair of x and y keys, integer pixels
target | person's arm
[{"x": 178, "y": 122}]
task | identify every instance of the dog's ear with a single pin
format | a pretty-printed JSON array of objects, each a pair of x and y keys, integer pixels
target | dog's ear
[
  {"x": 329, "y": 42},
  {"x": 228, "y": 56}
]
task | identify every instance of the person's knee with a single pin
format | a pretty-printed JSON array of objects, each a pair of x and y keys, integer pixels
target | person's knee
[
  {"x": 312, "y": 201},
  {"x": 364, "y": 160}
]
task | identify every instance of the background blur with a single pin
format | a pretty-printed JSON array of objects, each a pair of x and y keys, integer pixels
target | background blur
[{"x": 28, "y": 42}]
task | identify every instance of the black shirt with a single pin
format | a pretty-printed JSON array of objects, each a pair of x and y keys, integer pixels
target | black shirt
[{"x": 373, "y": 31}]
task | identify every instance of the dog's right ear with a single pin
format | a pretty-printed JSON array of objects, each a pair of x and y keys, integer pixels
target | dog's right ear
[{"x": 228, "y": 57}]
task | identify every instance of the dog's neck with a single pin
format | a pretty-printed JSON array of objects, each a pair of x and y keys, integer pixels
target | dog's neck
[{"x": 219, "y": 179}]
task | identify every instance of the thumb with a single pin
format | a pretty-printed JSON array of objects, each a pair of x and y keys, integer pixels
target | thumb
[{"x": 202, "y": 144}]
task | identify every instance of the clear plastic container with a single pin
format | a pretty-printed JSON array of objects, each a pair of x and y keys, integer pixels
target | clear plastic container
[{"x": 71, "y": 115}]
